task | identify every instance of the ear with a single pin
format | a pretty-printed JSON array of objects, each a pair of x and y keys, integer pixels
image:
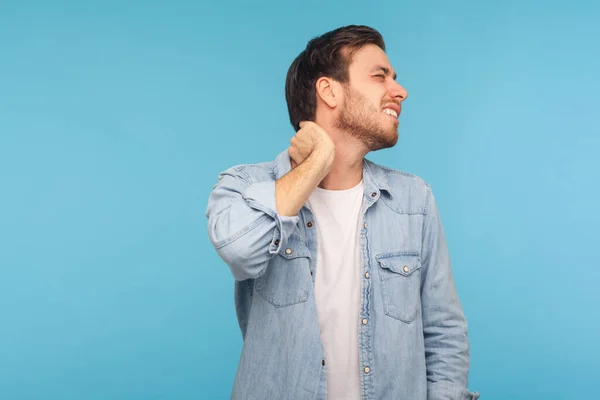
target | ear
[{"x": 329, "y": 91}]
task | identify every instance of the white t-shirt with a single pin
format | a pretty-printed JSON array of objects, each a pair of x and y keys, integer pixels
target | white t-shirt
[{"x": 337, "y": 219}]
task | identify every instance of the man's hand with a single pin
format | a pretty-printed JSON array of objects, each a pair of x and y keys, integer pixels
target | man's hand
[{"x": 311, "y": 138}]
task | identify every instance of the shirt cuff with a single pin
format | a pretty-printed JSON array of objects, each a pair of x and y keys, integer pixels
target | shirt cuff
[
  {"x": 443, "y": 390},
  {"x": 261, "y": 196}
]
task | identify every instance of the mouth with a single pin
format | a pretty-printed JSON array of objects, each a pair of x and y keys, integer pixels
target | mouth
[
  {"x": 391, "y": 113},
  {"x": 392, "y": 109}
]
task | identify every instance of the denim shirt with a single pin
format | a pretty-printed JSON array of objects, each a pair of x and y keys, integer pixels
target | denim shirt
[{"x": 414, "y": 345}]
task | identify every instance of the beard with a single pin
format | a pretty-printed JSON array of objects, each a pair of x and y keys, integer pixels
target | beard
[{"x": 359, "y": 118}]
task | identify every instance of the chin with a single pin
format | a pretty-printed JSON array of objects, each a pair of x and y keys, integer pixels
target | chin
[
  {"x": 393, "y": 141},
  {"x": 392, "y": 137},
  {"x": 384, "y": 140}
]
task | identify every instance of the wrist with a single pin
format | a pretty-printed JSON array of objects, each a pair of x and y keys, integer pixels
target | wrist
[{"x": 323, "y": 157}]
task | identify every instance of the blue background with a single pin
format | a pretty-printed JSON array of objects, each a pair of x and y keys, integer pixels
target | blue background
[{"x": 115, "y": 120}]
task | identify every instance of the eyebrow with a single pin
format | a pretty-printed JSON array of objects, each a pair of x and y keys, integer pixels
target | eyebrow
[{"x": 386, "y": 71}]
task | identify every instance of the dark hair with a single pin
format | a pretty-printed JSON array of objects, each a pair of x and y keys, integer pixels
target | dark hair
[{"x": 327, "y": 55}]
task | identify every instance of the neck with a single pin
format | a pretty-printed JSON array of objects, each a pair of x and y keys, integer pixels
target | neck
[
  {"x": 346, "y": 172},
  {"x": 347, "y": 167}
]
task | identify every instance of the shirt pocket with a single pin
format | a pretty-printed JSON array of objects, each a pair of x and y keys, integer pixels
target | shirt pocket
[
  {"x": 287, "y": 279},
  {"x": 400, "y": 276}
]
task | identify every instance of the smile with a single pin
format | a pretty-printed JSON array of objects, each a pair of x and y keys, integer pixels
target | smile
[{"x": 390, "y": 112}]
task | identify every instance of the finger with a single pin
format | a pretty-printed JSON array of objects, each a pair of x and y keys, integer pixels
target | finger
[{"x": 293, "y": 153}]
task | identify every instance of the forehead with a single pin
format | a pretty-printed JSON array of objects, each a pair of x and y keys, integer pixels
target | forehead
[{"x": 369, "y": 57}]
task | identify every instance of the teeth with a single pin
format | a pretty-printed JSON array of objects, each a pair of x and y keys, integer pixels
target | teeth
[{"x": 390, "y": 112}]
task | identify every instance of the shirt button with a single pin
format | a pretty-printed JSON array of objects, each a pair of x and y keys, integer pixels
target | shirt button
[
  {"x": 309, "y": 224},
  {"x": 310, "y": 273},
  {"x": 323, "y": 362},
  {"x": 405, "y": 268},
  {"x": 367, "y": 370},
  {"x": 288, "y": 251},
  {"x": 365, "y": 225},
  {"x": 374, "y": 194},
  {"x": 276, "y": 242},
  {"x": 367, "y": 275},
  {"x": 364, "y": 321}
]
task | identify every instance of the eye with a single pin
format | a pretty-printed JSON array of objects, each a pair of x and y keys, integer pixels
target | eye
[{"x": 382, "y": 76}]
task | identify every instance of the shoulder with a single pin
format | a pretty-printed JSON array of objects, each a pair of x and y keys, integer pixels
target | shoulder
[
  {"x": 404, "y": 179},
  {"x": 409, "y": 193},
  {"x": 251, "y": 173}
]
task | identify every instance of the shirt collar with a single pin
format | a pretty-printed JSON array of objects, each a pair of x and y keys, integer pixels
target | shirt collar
[{"x": 373, "y": 176}]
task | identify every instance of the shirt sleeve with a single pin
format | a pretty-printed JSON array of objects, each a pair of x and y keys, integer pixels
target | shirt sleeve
[
  {"x": 444, "y": 324},
  {"x": 243, "y": 223}
]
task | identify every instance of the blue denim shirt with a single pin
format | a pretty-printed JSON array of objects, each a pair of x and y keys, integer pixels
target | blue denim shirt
[{"x": 414, "y": 345}]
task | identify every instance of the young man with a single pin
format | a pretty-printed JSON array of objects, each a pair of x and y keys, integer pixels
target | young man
[{"x": 343, "y": 283}]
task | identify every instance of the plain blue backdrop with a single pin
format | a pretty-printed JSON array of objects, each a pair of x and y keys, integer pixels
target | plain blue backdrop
[{"x": 116, "y": 118}]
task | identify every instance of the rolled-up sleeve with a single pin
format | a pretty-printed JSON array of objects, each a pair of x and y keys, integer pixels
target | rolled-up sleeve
[
  {"x": 243, "y": 223},
  {"x": 444, "y": 324},
  {"x": 261, "y": 196}
]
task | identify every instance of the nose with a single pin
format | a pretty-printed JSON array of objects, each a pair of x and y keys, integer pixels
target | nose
[{"x": 398, "y": 92}]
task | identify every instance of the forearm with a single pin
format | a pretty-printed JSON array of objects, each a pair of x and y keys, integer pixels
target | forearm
[{"x": 293, "y": 189}]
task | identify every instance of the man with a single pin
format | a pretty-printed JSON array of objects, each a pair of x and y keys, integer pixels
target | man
[{"x": 343, "y": 283}]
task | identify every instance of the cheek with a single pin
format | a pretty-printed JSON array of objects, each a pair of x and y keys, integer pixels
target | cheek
[
  {"x": 376, "y": 97},
  {"x": 377, "y": 101},
  {"x": 368, "y": 98}
]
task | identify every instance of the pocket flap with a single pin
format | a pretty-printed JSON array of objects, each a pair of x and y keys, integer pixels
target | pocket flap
[
  {"x": 400, "y": 263},
  {"x": 294, "y": 248}
]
